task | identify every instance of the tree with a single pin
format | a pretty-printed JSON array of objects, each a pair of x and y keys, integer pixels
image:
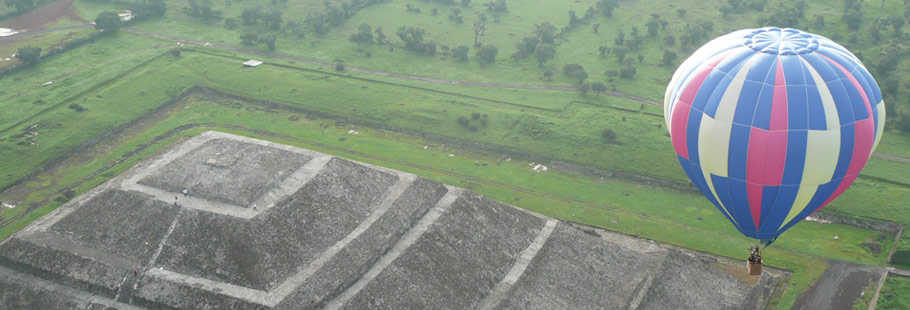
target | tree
[
  {"x": 904, "y": 124},
  {"x": 479, "y": 29},
  {"x": 620, "y": 52},
  {"x": 525, "y": 47},
  {"x": 20, "y": 5},
  {"x": 620, "y": 38},
  {"x": 273, "y": 19},
  {"x": 269, "y": 41},
  {"x": 430, "y": 48},
  {"x": 364, "y": 35},
  {"x": 573, "y": 19},
  {"x": 584, "y": 88},
  {"x": 496, "y": 6},
  {"x": 669, "y": 39},
  {"x": 653, "y": 25},
  {"x": 607, "y": 6},
  {"x": 413, "y": 40},
  {"x": 853, "y": 14},
  {"x": 107, "y": 22},
  {"x": 249, "y": 38},
  {"x": 897, "y": 22},
  {"x": 681, "y": 12},
  {"x": 487, "y": 54},
  {"x": 317, "y": 22},
  {"x": 461, "y": 52},
  {"x": 147, "y": 8},
  {"x": 595, "y": 26},
  {"x": 202, "y": 10},
  {"x": 456, "y": 15},
  {"x": 819, "y": 22},
  {"x": 669, "y": 58},
  {"x": 543, "y": 53},
  {"x": 156, "y": 8},
  {"x": 598, "y": 87},
  {"x": 380, "y": 37},
  {"x": 575, "y": 71},
  {"x": 603, "y": 49},
  {"x": 725, "y": 10},
  {"x": 230, "y": 23},
  {"x": 29, "y": 55},
  {"x": 628, "y": 72},
  {"x": 546, "y": 32},
  {"x": 548, "y": 73},
  {"x": 250, "y": 16}
]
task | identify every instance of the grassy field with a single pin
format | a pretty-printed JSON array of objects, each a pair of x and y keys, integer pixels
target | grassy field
[
  {"x": 578, "y": 45},
  {"x": 45, "y": 41},
  {"x": 894, "y": 294},
  {"x": 623, "y": 205},
  {"x": 414, "y": 125}
]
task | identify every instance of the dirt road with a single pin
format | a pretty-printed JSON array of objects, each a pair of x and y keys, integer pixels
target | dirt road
[
  {"x": 840, "y": 286},
  {"x": 38, "y": 18}
]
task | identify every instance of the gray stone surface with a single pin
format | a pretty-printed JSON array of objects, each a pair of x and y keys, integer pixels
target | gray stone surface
[
  {"x": 261, "y": 253},
  {"x": 686, "y": 281},
  {"x": 269, "y": 226},
  {"x": 354, "y": 260},
  {"x": 580, "y": 271},
  {"x": 125, "y": 224},
  {"x": 23, "y": 292},
  {"x": 457, "y": 261},
  {"x": 227, "y": 171}
]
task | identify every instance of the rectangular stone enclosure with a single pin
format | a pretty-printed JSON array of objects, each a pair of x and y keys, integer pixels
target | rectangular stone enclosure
[{"x": 228, "y": 222}]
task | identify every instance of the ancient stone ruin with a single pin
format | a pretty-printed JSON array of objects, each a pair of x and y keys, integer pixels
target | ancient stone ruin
[{"x": 228, "y": 222}]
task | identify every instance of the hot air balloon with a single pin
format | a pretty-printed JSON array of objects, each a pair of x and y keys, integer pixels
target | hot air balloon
[{"x": 772, "y": 124}]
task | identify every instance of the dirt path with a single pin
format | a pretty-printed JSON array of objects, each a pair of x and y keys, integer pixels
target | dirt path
[
  {"x": 42, "y": 31},
  {"x": 894, "y": 158},
  {"x": 38, "y": 18},
  {"x": 840, "y": 286}
]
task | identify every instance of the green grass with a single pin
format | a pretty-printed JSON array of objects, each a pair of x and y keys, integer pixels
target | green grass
[
  {"x": 616, "y": 204},
  {"x": 895, "y": 144},
  {"x": 889, "y": 170},
  {"x": 563, "y": 126},
  {"x": 44, "y": 41},
  {"x": 894, "y": 294},
  {"x": 578, "y": 46}
]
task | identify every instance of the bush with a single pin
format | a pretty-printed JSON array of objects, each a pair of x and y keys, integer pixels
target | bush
[
  {"x": 29, "y": 55},
  {"x": 609, "y": 135},
  {"x": 901, "y": 257},
  {"x": 903, "y": 124},
  {"x": 77, "y": 107},
  {"x": 175, "y": 52}
]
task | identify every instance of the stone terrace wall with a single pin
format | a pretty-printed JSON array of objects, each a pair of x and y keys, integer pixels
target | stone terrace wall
[{"x": 268, "y": 226}]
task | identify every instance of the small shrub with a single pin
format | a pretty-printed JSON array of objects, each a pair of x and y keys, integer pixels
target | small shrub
[
  {"x": 609, "y": 135},
  {"x": 76, "y": 107},
  {"x": 901, "y": 257}
]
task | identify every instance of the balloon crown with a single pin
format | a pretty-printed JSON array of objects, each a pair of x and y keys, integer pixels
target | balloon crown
[{"x": 787, "y": 41}]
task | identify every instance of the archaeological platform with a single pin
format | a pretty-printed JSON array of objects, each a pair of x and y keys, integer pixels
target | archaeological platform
[{"x": 228, "y": 222}]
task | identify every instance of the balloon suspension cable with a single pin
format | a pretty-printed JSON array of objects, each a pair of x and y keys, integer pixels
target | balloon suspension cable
[{"x": 768, "y": 242}]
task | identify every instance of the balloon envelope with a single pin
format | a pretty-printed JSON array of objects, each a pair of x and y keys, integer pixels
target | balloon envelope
[{"x": 772, "y": 124}]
